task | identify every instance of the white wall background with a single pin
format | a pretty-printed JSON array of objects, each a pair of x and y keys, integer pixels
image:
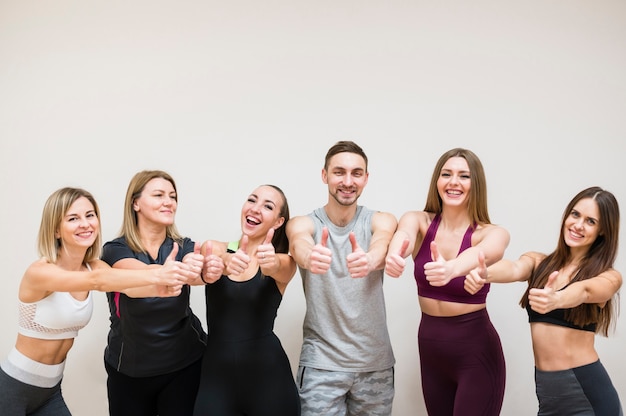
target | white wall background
[{"x": 229, "y": 95}]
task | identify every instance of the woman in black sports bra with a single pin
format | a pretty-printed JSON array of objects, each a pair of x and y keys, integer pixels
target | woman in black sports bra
[
  {"x": 245, "y": 370},
  {"x": 570, "y": 297}
]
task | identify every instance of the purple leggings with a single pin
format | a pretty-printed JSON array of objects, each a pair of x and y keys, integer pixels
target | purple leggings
[{"x": 462, "y": 365}]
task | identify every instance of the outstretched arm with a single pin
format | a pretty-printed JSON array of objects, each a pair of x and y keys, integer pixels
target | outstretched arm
[
  {"x": 315, "y": 257},
  {"x": 402, "y": 243},
  {"x": 384, "y": 226},
  {"x": 598, "y": 289},
  {"x": 493, "y": 242},
  {"x": 43, "y": 277},
  {"x": 503, "y": 271}
]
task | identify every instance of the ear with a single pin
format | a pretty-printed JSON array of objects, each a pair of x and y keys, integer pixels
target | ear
[
  {"x": 324, "y": 176},
  {"x": 279, "y": 222}
]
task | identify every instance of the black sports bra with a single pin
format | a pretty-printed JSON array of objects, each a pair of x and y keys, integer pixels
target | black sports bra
[{"x": 556, "y": 317}]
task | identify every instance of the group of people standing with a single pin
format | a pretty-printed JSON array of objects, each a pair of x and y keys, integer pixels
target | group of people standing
[{"x": 160, "y": 361}]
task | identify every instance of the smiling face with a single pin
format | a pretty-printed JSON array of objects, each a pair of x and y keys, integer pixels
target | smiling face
[
  {"x": 262, "y": 211},
  {"x": 346, "y": 176},
  {"x": 454, "y": 182},
  {"x": 79, "y": 226},
  {"x": 157, "y": 203},
  {"x": 582, "y": 225}
]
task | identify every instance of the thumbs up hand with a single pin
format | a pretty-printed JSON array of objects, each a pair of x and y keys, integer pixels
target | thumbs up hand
[
  {"x": 476, "y": 279},
  {"x": 395, "y": 262},
  {"x": 195, "y": 260},
  {"x": 213, "y": 266},
  {"x": 358, "y": 261},
  {"x": 178, "y": 270},
  {"x": 547, "y": 299},
  {"x": 439, "y": 271},
  {"x": 266, "y": 255},
  {"x": 320, "y": 255},
  {"x": 172, "y": 275},
  {"x": 240, "y": 260}
]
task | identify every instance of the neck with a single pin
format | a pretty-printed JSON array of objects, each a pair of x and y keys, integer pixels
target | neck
[
  {"x": 455, "y": 219},
  {"x": 152, "y": 235},
  {"x": 70, "y": 261},
  {"x": 340, "y": 215}
]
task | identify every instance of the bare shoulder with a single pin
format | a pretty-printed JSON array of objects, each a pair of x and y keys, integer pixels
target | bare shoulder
[
  {"x": 417, "y": 218},
  {"x": 98, "y": 264},
  {"x": 299, "y": 224},
  {"x": 487, "y": 229},
  {"x": 38, "y": 266},
  {"x": 534, "y": 256},
  {"x": 385, "y": 219},
  {"x": 613, "y": 276},
  {"x": 217, "y": 247}
]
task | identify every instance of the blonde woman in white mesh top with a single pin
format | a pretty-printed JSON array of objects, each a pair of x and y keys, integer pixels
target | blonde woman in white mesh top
[{"x": 55, "y": 301}]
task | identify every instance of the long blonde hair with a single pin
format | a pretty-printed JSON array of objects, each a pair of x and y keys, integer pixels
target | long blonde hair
[
  {"x": 54, "y": 210},
  {"x": 130, "y": 228}
]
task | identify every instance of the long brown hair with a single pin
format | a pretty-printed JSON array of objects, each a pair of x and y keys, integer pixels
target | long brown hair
[
  {"x": 477, "y": 202},
  {"x": 280, "y": 241},
  {"x": 599, "y": 258}
]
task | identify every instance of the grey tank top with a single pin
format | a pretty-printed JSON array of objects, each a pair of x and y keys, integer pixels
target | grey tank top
[{"x": 345, "y": 326}]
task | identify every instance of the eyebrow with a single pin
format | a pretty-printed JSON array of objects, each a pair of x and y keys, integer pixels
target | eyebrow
[
  {"x": 163, "y": 191},
  {"x": 74, "y": 214},
  {"x": 452, "y": 170},
  {"x": 266, "y": 200},
  {"x": 347, "y": 169}
]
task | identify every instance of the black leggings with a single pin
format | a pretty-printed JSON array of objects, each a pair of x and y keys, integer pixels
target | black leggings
[
  {"x": 18, "y": 398},
  {"x": 170, "y": 394},
  {"x": 462, "y": 364},
  {"x": 250, "y": 378},
  {"x": 585, "y": 390}
]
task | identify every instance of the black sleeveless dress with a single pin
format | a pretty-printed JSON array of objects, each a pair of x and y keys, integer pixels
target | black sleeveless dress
[{"x": 245, "y": 370}]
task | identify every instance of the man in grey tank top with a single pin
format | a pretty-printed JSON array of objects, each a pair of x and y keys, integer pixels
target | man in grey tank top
[{"x": 346, "y": 362}]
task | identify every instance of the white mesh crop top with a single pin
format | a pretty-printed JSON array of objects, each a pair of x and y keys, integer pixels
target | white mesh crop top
[{"x": 57, "y": 316}]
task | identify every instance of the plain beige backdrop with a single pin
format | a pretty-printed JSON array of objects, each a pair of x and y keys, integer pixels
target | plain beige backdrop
[{"x": 228, "y": 95}]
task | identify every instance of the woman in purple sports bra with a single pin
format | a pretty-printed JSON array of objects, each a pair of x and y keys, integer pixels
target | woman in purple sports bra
[
  {"x": 461, "y": 358},
  {"x": 570, "y": 297}
]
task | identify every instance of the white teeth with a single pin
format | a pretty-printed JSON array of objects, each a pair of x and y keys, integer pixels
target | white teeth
[{"x": 575, "y": 234}]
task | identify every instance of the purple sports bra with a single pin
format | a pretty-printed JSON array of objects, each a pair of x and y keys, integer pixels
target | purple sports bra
[{"x": 453, "y": 291}]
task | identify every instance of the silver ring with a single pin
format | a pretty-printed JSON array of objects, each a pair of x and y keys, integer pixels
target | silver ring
[{"x": 262, "y": 255}]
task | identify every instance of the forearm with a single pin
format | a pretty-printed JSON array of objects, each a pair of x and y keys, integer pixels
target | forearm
[
  {"x": 598, "y": 289},
  {"x": 376, "y": 254},
  {"x": 398, "y": 239},
  {"x": 282, "y": 270},
  {"x": 465, "y": 262},
  {"x": 141, "y": 292},
  {"x": 301, "y": 250},
  {"x": 506, "y": 271}
]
